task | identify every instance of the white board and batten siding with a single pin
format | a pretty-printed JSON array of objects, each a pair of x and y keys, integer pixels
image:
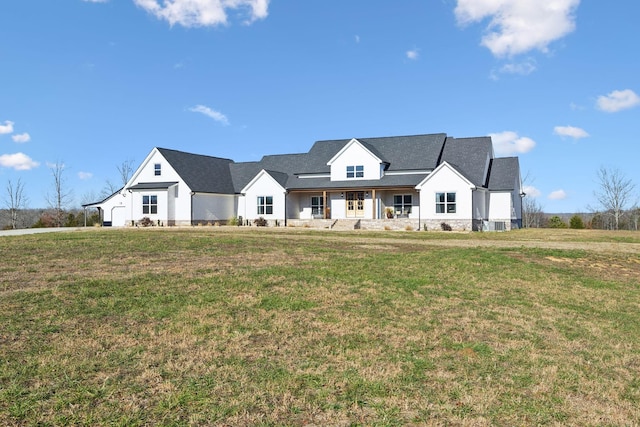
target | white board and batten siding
[
  {"x": 445, "y": 179},
  {"x": 214, "y": 207},
  {"x": 500, "y": 207},
  {"x": 263, "y": 185},
  {"x": 355, "y": 154}
]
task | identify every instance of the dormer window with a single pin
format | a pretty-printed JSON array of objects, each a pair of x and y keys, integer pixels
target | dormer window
[
  {"x": 355, "y": 171},
  {"x": 157, "y": 169}
]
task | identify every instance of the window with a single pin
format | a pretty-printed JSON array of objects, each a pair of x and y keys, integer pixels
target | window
[
  {"x": 265, "y": 205},
  {"x": 446, "y": 203},
  {"x": 355, "y": 171},
  {"x": 150, "y": 204},
  {"x": 157, "y": 169},
  {"x": 317, "y": 205},
  {"x": 402, "y": 204}
]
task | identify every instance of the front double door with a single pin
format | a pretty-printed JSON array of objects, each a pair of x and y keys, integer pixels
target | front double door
[{"x": 355, "y": 204}]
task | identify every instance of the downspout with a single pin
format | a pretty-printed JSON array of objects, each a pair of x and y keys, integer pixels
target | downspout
[
  {"x": 130, "y": 204},
  {"x": 285, "y": 207},
  {"x": 191, "y": 214}
]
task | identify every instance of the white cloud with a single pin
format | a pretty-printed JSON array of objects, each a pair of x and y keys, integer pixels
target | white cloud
[
  {"x": 6, "y": 128},
  {"x": 518, "y": 26},
  {"x": 85, "y": 175},
  {"x": 531, "y": 191},
  {"x": 357, "y": 38},
  {"x": 570, "y": 131},
  {"x": 215, "y": 115},
  {"x": 557, "y": 195},
  {"x": 413, "y": 54},
  {"x": 21, "y": 138},
  {"x": 18, "y": 161},
  {"x": 508, "y": 143},
  {"x": 203, "y": 13},
  {"x": 618, "y": 100}
]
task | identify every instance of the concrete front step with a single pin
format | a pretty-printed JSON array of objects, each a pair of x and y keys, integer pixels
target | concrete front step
[{"x": 346, "y": 224}]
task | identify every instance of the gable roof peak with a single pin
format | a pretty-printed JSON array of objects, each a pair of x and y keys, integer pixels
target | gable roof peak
[{"x": 371, "y": 150}]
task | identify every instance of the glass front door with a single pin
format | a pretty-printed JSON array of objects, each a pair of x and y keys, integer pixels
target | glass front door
[{"x": 355, "y": 204}]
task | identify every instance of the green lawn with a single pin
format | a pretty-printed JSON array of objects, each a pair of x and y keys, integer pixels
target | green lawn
[{"x": 234, "y": 327}]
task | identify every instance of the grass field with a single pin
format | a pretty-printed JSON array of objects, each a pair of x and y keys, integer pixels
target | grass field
[{"x": 233, "y": 327}]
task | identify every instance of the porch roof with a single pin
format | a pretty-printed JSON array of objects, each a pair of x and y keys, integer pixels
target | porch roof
[
  {"x": 152, "y": 185},
  {"x": 387, "y": 181}
]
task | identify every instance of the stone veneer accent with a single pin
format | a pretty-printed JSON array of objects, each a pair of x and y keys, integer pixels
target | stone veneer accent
[{"x": 404, "y": 224}]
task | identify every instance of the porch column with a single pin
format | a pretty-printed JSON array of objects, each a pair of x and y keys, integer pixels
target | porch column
[
  {"x": 325, "y": 203},
  {"x": 374, "y": 203}
]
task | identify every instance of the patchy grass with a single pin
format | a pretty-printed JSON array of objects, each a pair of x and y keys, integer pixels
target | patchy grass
[{"x": 232, "y": 326}]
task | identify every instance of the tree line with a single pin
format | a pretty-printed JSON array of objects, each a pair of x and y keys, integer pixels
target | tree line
[
  {"x": 617, "y": 204},
  {"x": 15, "y": 213},
  {"x": 617, "y": 207}
]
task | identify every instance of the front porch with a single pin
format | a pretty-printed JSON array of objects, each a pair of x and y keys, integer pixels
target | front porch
[{"x": 359, "y": 204}]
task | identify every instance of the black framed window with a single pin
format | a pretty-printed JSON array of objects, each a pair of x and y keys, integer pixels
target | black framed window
[
  {"x": 150, "y": 204},
  {"x": 446, "y": 203},
  {"x": 402, "y": 204},
  {"x": 265, "y": 205},
  {"x": 355, "y": 171},
  {"x": 317, "y": 205}
]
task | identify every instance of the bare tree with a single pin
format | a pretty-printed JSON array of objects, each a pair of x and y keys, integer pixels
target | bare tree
[
  {"x": 125, "y": 170},
  {"x": 60, "y": 196},
  {"x": 614, "y": 193},
  {"x": 15, "y": 202},
  {"x": 532, "y": 215},
  {"x": 108, "y": 189}
]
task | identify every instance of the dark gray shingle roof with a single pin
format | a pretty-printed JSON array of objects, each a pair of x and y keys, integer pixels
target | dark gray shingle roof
[
  {"x": 296, "y": 183},
  {"x": 153, "y": 185},
  {"x": 470, "y": 156},
  {"x": 414, "y": 152},
  {"x": 203, "y": 174},
  {"x": 505, "y": 174}
]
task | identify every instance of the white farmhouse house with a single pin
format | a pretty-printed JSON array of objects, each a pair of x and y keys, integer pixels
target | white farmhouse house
[{"x": 418, "y": 181}]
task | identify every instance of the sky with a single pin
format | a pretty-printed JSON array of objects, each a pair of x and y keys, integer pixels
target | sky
[{"x": 92, "y": 84}]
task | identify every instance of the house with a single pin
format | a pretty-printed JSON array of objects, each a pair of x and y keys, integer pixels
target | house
[{"x": 416, "y": 182}]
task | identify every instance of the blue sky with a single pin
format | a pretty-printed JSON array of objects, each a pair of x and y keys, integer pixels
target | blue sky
[{"x": 92, "y": 84}]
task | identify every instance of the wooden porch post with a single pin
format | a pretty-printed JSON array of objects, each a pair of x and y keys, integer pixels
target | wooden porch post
[
  {"x": 325, "y": 203},
  {"x": 373, "y": 200}
]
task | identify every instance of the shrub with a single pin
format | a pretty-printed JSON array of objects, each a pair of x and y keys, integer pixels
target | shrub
[
  {"x": 576, "y": 222},
  {"x": 556, "y": 222},
  {"x": 146, "y": 222},
  {"x": 233, "y": 221},
  {"x": 260, "y": 222},
  {"x": 46, "y": 220},
  {"x": 445, "y": 226}
]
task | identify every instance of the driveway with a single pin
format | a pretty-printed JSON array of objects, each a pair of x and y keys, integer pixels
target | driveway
[{"x": 23, "y": 231}]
